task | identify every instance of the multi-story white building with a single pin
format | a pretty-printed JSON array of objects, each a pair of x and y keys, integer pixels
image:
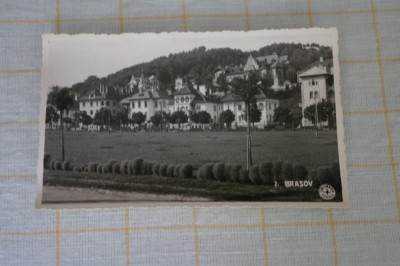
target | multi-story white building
[
  {"x": 266, "y": 105},
  {"x": 94, "y": 100},
  {"x": 316, "y": 85},
  {"x": 148, "y": 103}
]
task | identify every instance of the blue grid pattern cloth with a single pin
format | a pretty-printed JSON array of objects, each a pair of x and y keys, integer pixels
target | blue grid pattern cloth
[{"x": 368, "y": 233}]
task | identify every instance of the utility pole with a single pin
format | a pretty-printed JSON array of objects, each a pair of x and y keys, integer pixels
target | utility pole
[{"x": 316, "y": 116}]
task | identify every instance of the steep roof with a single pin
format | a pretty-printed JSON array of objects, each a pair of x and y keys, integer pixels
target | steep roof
[
  {"x": 96, "y": 96},
  {"x": 148, "y": 94},
  {"x": 317, "y": 68},
  {"x": 273, "y": 59},
  {"x": 231, "y": 98},
  {"x": 185, "y": 90}
]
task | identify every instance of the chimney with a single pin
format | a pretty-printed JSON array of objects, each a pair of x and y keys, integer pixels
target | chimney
[{"x": 321, "y": 59}]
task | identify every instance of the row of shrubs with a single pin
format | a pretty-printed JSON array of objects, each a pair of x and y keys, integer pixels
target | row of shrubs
[{"x": 265, "y": 173}]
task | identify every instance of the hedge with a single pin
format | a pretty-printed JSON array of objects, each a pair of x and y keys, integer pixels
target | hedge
[
  {"x": 170, "y": 170},
  {"x": 186, "y": 171},
  {"x": 66, "y": 166},
  {"x": 277, "y": 171},
  {"x": 46, "y": 161},
  {"x": 124, "y": 166},
  {"x": 137, "y": 166},
  {"x": 235, "y": 173},
  {"x": 266, "y": 173},
  {"x": 287, "y": 171},
  {"x": 228, "y": 168},
  {"x": 99, "y": 168},
  {"x": 218, "y": 171},
  {"x": 206, "y": 172},
  {"x": 92, "y": 167},
  {"x": 254, "y": 175},
  {"x": 116, "y": 168},
  {"x": 163, "y": 169},
  {"x": 156, "y": 169},
  {"x": 176, "y": 170}
]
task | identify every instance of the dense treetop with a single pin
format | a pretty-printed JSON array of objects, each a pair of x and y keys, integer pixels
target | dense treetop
[{"x": 200, "y": 63}]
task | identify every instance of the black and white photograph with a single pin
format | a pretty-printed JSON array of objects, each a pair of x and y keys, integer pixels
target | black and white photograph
[{"x": 207, "y": 119}]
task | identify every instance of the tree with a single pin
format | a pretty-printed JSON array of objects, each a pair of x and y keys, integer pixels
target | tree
[
  {"x": 157, "y": 119},
  {"x": 255, "y": 114},
  {"x": 103, "y": 117},
  {"x": 85, "y": 118},
  {"x": 194, "y": 117},
  {"x": 138, "y": 118},
  {"x": 204, "y": 117},
  {"x": 51, "y": 115},
  {"x": 121, "y": 118},
  {"x": 247, "y": 89},
  {"x": 267, "y": 81},
  {"x": 227, "y": 117},
  {"x": 223, "y": 85},
  {"x": 324, "y": 110},
  {"x": 179, "y": 117},
  {"x": 62, "y": 100},
  {"x": 282, "y": 115}
]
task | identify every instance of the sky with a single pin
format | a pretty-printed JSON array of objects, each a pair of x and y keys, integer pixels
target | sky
[{"x": 69, "y": 59}]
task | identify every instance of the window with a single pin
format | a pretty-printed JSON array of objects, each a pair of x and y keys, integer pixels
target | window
[
  {"x": 133, "y": 105},
  {"x": 83, "y": 104},
  {"x": 313, "y": 82},
  {"x": 187, "y": 99},
  {"x": 107, "y": 103},
  {"x": 139, "y": 104},
  {"x": 215, "y": 108},
  {"x": 102, "y": 103},
  {"x": 269, "y": 106},
  {"x": 91, "y": 112},
  {"x": 316, "y": 82},
  {"x": 261, "y": 106},
  {"x": 177, "y": 100},
  {"x": 316, "y": 94},
  {"x": 155, "y": 104},
  {"x": 311, "y": 95},
  {"x": 182, "y": 100},
  {"x": 198, "y": 107},
  {"x": 91, "y": 103},
  {"x": 113, "y": 103},
  {"x": 164, "y": 104},
  {"x": 239, "y": 107}
]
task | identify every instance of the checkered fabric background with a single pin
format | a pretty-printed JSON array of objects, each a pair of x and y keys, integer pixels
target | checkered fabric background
[{"x": 366, "y": 234}]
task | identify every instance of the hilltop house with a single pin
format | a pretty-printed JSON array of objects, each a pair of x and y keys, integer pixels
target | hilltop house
[
  {"x": 316, "y": 85},
  {"x": 274, "y": 64}
]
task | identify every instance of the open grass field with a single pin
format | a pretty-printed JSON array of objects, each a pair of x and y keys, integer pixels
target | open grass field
[{"x": 196, "y": 148}]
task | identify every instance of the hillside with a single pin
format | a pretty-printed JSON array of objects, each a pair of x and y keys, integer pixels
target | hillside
[{"x": 200, "y": 63}]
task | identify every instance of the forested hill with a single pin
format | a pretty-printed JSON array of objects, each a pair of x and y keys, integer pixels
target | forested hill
[{"x": 199, "y": 64}]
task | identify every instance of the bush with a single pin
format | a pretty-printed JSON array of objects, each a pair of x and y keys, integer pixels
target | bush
[
  {"x": 108, "y": 166},
  {"x": 124, "y": 168},
  {"x": 99, "y": 168},
  {"x": 147, "y": 168},
  {"x": 299, "y": 172},
  {"x": 244, "y": 176},
  {"x": 170, "y": 170},
  {"x": 235, "y": 173},
  {"x": 228, "y": 168},
  {"x": 325, "y": 175},
  {"x": 219, "y": 171},
  {"x": 58, "y": 165},
  {"x": 66, "y": 166},
  {"x": 105, "y": 169},
  {"x": 277, "y": 171},
  {"x": 85, "y": 169},
  {"x": 163, "y": 169},
  {"x": 206, "y": 172},
  {"x": 186, "y": 171},
  {"x": 115, "y": 168},
  {"x": 176, "y": 170},
  {"x": 254, "y": 175},
  {"x": 92, "y": 167},
  {"x": 266, "y": 173},
  {"x": 137, "y": 166},
  {"x": 287, "y": 171},
  {"x": 156, "y": 169},
  {"x": 77, "y": 169},
  {"x": 52, "y": 164},
  {"x": 46, "y": 161}
]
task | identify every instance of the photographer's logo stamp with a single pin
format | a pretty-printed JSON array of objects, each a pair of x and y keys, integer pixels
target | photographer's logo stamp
[{"x": 326, "y": 192}]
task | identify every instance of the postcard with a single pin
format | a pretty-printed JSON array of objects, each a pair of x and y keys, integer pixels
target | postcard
[{"x": 227, "y": 118}]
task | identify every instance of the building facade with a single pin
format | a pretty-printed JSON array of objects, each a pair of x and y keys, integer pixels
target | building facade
[{"x": 316, "y": 85}]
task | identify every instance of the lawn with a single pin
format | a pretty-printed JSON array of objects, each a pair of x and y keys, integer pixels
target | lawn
[{"x": 196, "y": 148}]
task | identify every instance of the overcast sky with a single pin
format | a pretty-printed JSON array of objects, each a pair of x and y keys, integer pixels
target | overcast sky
[{"x": 72, "y": 58}]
